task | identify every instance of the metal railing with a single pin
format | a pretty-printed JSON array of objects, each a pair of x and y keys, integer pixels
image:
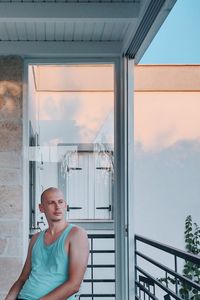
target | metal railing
[
  {"x": 149, "y": 284},
  {"x": 92, "y": 267}
]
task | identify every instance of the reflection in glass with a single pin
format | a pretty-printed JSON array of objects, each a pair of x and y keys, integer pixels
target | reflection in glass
[{"x": 72, "y": 137}]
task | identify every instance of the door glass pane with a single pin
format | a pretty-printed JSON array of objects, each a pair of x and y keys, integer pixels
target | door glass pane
[
  {"x": 71, "y": 139},
  {"x": 71, "y": 127}
]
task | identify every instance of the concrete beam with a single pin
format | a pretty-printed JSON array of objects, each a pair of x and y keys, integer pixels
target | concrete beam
[
  {"x": 54, "y": 12},
  {"x": 45, "y": 48}
]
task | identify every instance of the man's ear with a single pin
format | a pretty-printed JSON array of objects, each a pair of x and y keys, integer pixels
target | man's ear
[{"x": 41, "y": 208}]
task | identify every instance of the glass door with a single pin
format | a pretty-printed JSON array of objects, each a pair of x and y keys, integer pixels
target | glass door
[{"x": 71, "y": 134}]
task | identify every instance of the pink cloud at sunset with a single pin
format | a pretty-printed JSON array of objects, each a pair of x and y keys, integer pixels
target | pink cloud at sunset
[
  {"x": 166, "y": 105},
  {"x": 164, "y": 118},
  {"x": 87, "y": 110},
  {"x": 74, "y": 101}
]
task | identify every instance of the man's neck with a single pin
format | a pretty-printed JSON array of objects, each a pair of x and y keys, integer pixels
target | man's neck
[{"x": 56, "y": 227}]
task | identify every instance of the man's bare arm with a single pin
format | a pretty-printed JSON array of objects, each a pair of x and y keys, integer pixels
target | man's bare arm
[
  {"x": 78, "y": 259},
  {"x": 17, "y": 286}
]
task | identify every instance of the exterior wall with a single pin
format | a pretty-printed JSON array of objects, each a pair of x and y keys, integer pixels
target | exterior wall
[
  {"x": 167, "y": 78},
  {"x": 11, "y": 200}
]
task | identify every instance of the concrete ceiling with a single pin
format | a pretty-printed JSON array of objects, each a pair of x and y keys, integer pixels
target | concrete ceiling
[{"x": 80, "y": 28}]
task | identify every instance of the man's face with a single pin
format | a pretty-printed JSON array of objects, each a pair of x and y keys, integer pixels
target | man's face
[{"x": 53, "y": 206}]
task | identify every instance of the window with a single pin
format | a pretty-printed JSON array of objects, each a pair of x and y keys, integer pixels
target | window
[{"x": 71, "y": 134}]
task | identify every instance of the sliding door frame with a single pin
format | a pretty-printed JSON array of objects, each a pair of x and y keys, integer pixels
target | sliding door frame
[{"x": 122, "y": 147}]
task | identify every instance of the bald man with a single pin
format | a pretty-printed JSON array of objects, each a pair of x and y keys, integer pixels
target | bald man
[{"x": 57, "y": 257}]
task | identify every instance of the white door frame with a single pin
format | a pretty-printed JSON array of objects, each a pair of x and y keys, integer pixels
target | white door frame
[
  {"x": 123, "y": 139},
  {"x": 130, "y": 176}
]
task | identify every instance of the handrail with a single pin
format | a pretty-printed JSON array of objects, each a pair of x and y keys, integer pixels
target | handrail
[
  {"x": 146, "y": 280},
  {"x": 173, "y": 273},
  {"x": 182, "y": 254},
  {"x": 101, "y": 235}
]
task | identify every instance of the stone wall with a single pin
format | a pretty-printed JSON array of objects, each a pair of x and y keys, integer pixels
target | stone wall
[{"x": 11, "y": 200}]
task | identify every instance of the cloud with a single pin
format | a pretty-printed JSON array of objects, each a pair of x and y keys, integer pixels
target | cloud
[
  {"x": 77, "y": 117},
  {"x": 164, "y": 118}
]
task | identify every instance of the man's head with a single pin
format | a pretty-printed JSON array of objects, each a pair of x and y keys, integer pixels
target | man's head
[
  {"x": 53, "y": 204},
  {"x": 47, "y": 191}
]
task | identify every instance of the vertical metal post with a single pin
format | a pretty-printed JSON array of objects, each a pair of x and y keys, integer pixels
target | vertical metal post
[
  {"x": 154, "y": 290},
  {"x": 92, "y": 270},
  {"x": 135, "y": 256},
  {"x": 130, "y": 176},
  {"x": 166, "y": 279},
  {"x": 176, "y": 282},
  {"x": 123, "y": 210},
  {"x": 120, "y": 184}
]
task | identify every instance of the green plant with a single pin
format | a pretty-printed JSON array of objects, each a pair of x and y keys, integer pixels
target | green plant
[{"x": 191, "y": 270}]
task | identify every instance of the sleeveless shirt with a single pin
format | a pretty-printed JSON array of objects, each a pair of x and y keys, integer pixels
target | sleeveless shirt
[{"x": 49, "y": 267}]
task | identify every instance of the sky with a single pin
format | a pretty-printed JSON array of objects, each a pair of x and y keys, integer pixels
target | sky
[
  {"x": 178, "y": 40},
  {"x": 167, "y": 136},
  {"x": 177, "y": 116}
]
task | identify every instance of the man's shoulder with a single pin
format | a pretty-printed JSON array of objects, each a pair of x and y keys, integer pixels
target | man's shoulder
[
  {"x": 77, "y": 231},
  {"x": 34, "y": 237},
  {"x": 78, "y": 239}
]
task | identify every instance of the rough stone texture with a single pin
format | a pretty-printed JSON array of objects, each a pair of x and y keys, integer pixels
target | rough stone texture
[
  {"x": 10, "y": 135},
  {"x": 3, "y": 243},
  {"x": 10, "y": 269},
  {"x": 10, "y": 229},
  {"x": 11, "y": 68},
  {"x": 10, "y": 177},
  {"x": 11, "y": 202},
  {"x": 10, "y": 100},
  {"x": 14, "y": 247},
  {"x": 8, "y": 159}
]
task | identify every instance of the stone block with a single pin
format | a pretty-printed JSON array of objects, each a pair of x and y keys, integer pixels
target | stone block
[
  {"x": 10, "y": 100},
  {"x": 10, "y": 269},
  {"x": 14, "y": 247},
  {"x": 10, "y": 135},
  {"x": 11, "y": 202},
  {"x": 11, "y": 68},
  {"x": 10, "y": 177},
  {"x": 11, "y": 158},
  {"x": 3, "y": 244},
  {"x": 10, "y": 229}
]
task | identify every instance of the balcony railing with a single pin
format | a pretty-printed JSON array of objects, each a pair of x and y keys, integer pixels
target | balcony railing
[
  {"x": 100, "y": 285},
  {"x": 158, "y": 270},
  {"x": 158, "y": 280}
]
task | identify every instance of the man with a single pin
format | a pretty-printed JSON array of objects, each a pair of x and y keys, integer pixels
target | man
[{"x": 57, "y": 257}]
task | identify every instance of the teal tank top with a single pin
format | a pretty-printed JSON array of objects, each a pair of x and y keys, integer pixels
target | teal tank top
[{"x": 49, "y": 265}]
